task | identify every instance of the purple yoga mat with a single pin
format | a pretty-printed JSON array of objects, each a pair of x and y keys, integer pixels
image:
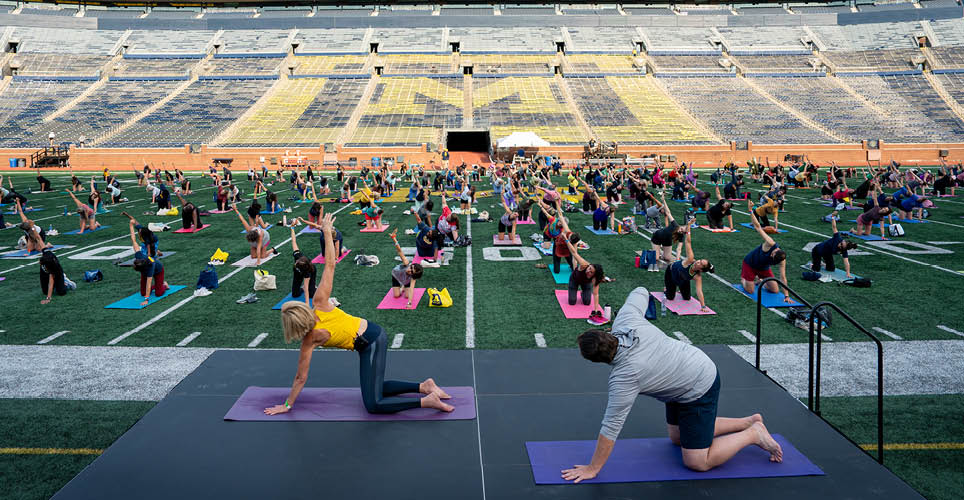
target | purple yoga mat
[
  {"x": 316, "y": 404},
  {"x": 657, "y": 459}
]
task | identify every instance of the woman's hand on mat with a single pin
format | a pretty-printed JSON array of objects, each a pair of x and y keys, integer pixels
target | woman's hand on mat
[
  {"x": 45, "y": 301},
  {"x": 276, "y": 409},
  {"x": 146, "y": 301},
  {"x": 579, "y": 473},
  {"x": 787, "y": 299}
]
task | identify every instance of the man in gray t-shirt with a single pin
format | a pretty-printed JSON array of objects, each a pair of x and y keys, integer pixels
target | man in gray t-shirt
[{"x": 645, "y": 361}]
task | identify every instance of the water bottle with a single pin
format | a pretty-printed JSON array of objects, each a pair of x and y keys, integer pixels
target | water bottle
[
  {"x": 65, "y": 210},
  {"x": 50, "y": 229},
  {"x": 662, "y": 308}
]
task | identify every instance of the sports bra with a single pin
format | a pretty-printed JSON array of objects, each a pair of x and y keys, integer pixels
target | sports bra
[{"x": 342, "y": 326}]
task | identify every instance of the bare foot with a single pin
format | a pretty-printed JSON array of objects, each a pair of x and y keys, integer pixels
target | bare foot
[
  {"x": 756, "y": 417},
  {"x": 430, "y": 387},
  {"x": 767, "y": 442},
  {"x": 432, "y": 401}
]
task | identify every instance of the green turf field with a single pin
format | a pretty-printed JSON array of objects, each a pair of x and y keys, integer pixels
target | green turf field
[{"x": 506, "y": 306}]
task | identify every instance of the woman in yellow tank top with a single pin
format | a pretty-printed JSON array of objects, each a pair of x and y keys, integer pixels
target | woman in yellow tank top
[{"x": 328, "y": 326}]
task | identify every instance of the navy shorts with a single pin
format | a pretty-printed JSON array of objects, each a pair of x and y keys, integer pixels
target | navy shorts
[{"x": 696, "y": 419}]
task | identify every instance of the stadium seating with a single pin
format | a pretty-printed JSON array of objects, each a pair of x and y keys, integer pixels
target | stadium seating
[
  {"x": 516, "y": 104},
  {"x": 330, "y": 65},
  {"x": 169, "y": 42},
  {"x": 196, "y": 115},
  {"x": 301, "y": 112},
  {"x": 506, "y": 40},
  {"x": 678, "y": 40},
  {"x": 763, "y": 39},
  {"x": 330, "y": 41},
  {"x": 822, "y": 100},
  {"x": 417, "y": 64},
  {"x": 895, "y": 95},
  {"x": 734, "y": 111},
  {"x": 38, "y": 10},
  {"x": 873, "y": 60},
  {"x": 37, "y": 64},
  {"x": 26, "y": 102},
  {"x": 593, "y": 40},
  {"x": 599, "y": 63},
  {"x": 687, "y": 64},
  {"x": 509, "y": 64},
  {"x": 60, "y": 41},
  {"x": 632, "y": 110},
  {"x": 954, "y": 85},
  {"x": 410, "y": 111},
  {"x": 871, "y": 36},
  {"x": 428, "y": 40},
  {"x": 948, "y": 57},
  {"x": 242, "y": 66},
  {"x": 254, "y": 42},
  {"x": 776, "y": 63},
  {"x": 154, "y": 67},
  {"x": 108, "y": 106},
  {"x": 949, "y": 31}
]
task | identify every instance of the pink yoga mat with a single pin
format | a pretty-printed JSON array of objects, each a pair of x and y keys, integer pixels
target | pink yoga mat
[
  {"x": 521, "y": 222},
  {"x": 577, "y": 311},
  {"x": 340, "y": 404},
  {"x": 506, "y": 241},
  {"x": 192, "y": 230},
  {"x": 219, "y": 211},
  {"x": 438, "y": 258},
  {"x": 375, "y": 230},
  {"x": 390, "y": 302},
  {"x": 683, "y": 308},
  {"x": 320, "y": 259}
]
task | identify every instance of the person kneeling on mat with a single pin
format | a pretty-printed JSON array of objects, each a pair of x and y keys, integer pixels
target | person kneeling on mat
[
  {"x": 756, "y": 264},
  {"x": 646, "y": 361},
  {"x": 303, "y": 273},
  {"x": 151, "y": 271},
  {"x": 585, "y": 278},
  {"x": 328, "y": 326},
  {"x": 826, "y": 250},
  {"x": 664, "y": 238},
  {"x": 190, "y": 215},
  {"x": 679, "y": 274},
  {"x": 52, "y": 278},
  {"x": 404, "y": 274}
]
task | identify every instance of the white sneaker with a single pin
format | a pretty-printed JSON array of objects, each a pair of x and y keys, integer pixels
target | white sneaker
[
  {"x": 202, "y": 292},
  {"x": 407, "y": 231}
]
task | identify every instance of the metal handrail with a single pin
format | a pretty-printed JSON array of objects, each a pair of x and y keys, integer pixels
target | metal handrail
[
  {"x": 759, "y": 312},
  {"x": 810, "y": 369}
]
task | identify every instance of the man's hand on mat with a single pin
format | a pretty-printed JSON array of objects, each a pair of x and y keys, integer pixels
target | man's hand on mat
[
  {"x": 579, "y": 473},
  {"x": 787, "y": 299},
  {"x": 276, "y": 409}
]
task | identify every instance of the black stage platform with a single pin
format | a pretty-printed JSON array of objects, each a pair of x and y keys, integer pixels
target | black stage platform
[{"x": 183, "y": 449}]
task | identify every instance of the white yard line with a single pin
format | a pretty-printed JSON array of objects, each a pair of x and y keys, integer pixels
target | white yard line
[
  {"x": 478, "y": 425},
  {"x": 885, "y": 332},
  {"x": 54, "y": 336},
  {"x": 540, "y": 340},
  {"x": 257, "y": 340},
  {"x": 950, "y": 330},
  {"x": 684, "y": 338},
  {"x": 187, "y": 340},
  {"x": 749, "y": 336},
  {"x": 397, "y": 340},
  {"x": 469, "y": 296}
]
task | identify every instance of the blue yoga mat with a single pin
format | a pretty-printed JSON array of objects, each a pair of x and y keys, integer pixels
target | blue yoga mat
[
  {"x": 747, "y": 224},
  {"x": 688, "y": 200},
  {"x": 545, "y": 251},
  {"x": 267, "y": 228},
  {"x": 23, "y": 253},
  {"x": 289, "y": 298},
  {"x": 563, "y": 276},
  {"x": 134, "y": 301},
  {"x": 77, "y": 231},
  {"x": 25, "y": 211},
  {"x": 600, "y": 231},
  {"x": 278, "y": 211},
  {"x": 769, "y": 299},
  {"x": 658, "y": 459},
  {"x": 865, "y": 237}
]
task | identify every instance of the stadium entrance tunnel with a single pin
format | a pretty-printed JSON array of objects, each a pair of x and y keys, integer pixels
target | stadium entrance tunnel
[{"x": 475, "y": 141}]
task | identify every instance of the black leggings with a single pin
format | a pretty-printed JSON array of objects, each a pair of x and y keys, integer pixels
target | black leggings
[
  {"x": 543, "y": 221},
  {"x": 557, "y": 261},
  {"x": 713, "y": 222},
  {"x": 671, "y": 286},
  {"x": 815, "y": 259},
  {"x": 600, "y": 225},
  {"x": 376, "y": 391},
  {"x": 586, "y": 291}
]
